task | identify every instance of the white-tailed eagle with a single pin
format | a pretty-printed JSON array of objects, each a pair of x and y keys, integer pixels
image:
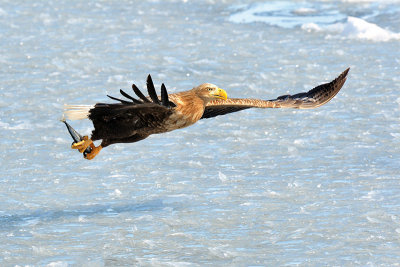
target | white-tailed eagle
[{"x": 134, "y": 119}]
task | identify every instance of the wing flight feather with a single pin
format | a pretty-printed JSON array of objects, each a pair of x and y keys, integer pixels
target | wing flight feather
[
  {"x": 120, "y": 100},
  {"x": 139, "y": 93},
  {"x": 152, "y": 90},
  {"x": 153, "y": 98},
  {"x": 134, "y": 100}
]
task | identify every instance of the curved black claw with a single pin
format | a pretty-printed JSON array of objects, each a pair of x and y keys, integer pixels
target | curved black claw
[{"x": 87, "y": 151}]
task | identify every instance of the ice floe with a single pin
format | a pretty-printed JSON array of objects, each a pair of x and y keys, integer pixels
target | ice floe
[
  {"x": 355, "y": 28},
  {"x": 313, "y": 17},
  {"x": 287, "y": 14}
]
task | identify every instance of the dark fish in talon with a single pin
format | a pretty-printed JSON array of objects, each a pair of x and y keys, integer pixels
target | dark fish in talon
[{"x": 76, "y": 136}]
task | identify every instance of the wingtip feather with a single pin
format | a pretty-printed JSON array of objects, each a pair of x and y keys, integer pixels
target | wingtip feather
[
  {"x": 164, "y": 96},
  {"x": 152, "y": 90}
]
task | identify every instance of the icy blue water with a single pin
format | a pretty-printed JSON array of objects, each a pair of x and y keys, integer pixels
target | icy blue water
[{"x": 259, "y": 187}]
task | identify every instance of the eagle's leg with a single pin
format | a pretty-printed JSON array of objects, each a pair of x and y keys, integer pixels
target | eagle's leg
[{"x": 85, "y": 143}]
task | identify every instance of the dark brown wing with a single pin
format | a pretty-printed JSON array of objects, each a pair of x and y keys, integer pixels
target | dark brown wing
[
  {"x": 135, "y": 117},
  {"x": 113, "y": 121},
  {"x": 314, "y": 98}
]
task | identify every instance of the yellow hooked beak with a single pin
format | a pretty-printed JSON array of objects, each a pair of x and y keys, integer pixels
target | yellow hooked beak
[{"x": 221, "y": 94}]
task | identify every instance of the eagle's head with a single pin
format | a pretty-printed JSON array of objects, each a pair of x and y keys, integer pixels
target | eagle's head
[{"x": 209, "y": 92}]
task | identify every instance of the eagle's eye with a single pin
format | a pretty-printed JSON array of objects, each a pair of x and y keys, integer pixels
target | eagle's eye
[{"x": 209, "y": 89}]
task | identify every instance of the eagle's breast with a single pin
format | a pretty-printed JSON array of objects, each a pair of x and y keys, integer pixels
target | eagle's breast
[{"x": 189, "y": 109}]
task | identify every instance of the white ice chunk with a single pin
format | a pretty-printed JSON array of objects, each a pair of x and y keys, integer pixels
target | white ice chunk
[{"x": 222, "y": 177}]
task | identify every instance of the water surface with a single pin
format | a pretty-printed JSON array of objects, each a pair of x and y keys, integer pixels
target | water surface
[{"x": 259, "y": 187}]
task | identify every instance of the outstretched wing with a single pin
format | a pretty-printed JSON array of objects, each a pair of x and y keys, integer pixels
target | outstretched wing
[{"x": 314, "y": 98}]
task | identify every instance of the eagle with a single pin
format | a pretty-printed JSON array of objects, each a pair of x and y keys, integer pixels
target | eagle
[{"x": 134, "y": 119}]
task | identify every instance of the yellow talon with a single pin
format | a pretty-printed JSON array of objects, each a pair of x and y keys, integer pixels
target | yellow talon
[
  {"x": 82, "y": 145},
  {"x": 75, "y": 145},
  {"x": 85, "y": 143}
]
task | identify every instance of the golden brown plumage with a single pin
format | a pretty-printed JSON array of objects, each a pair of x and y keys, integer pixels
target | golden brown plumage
[{"x": 133, "y": 120}]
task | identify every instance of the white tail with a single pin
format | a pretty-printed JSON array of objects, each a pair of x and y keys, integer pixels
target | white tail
[{"x": 77, "y": 112}]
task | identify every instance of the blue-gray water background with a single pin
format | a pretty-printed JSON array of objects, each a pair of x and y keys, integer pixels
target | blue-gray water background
[{"x": 259, "y": 187}]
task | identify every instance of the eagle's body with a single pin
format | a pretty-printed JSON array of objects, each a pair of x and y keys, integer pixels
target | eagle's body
[{"x": 133, "y": 120}]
